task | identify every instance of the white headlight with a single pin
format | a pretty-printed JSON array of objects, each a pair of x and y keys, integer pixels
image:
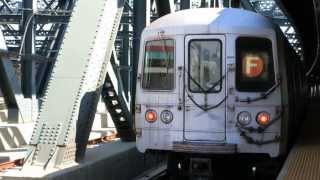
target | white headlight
[
  {"x": 244, "y": 118},
  {"x": 166, "y": 116}
]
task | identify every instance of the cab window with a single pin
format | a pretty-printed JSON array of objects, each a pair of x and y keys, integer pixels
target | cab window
[
  {"x": 254, "y": 64},
  {"x": 205, "y": 65},
  {"x": 158, "y": 68}
]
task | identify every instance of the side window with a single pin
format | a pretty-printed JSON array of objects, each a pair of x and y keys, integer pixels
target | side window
[
  {"x": 158, "y": 68},
  {"x": 205, "y": 65},
  {"x": 254, "y": 64}
]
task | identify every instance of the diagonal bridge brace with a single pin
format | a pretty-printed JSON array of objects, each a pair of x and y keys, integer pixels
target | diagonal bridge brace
[{"x": 75, "y": 84}]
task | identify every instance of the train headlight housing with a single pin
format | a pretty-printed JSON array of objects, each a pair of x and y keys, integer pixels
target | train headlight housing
[
  {"x": 263, "y": 118},
  {"x": 244, "y": 118},
  {"x": 166, "y": 116},
  {"x": 151, "y": 116}
]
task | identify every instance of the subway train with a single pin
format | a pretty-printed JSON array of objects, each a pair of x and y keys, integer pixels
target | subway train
[{"x": 217, "y": 81}]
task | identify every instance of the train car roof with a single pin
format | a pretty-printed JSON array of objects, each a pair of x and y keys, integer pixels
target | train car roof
[{"x": 211, "y": 20}]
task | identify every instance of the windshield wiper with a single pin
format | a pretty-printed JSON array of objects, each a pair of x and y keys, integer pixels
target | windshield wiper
[
  {"x": 200, "y": 87},
  {"x": 206, "y": 108}
]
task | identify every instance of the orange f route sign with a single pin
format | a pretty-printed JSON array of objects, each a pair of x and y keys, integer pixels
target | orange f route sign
[{"x": 252, "y": 66}]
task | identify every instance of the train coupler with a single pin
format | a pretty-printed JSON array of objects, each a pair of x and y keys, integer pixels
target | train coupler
[{"x": 200, "y": 167}]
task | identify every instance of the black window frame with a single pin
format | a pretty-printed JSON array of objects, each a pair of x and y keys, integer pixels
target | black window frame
[
  {"x": 254, "y": 85},
  {"x": 189, "y": 65},
  {"x": 174, "y": 65}
]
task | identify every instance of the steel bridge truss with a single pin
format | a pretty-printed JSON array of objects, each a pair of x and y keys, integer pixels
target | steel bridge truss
[
  {"x": 55, "y": 141},
  {"x": 272, "y": 9}
]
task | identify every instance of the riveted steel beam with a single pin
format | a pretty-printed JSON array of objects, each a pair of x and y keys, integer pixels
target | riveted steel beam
[
  {"x": 28, "y": 47},
  {"x": 39, "y": 18},
  {"x": 62, "y": 129}
]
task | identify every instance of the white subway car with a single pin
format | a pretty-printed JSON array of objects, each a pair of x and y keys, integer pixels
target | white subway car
[{"x": 217, "y": 81}]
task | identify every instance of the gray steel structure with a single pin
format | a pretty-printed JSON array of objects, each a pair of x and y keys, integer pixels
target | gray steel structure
[
  {"x": 30, "y": 27},
  {"x": 37, "y": 26},
  {"x": 42, "y": 30},
  {"x": 76, "y": 80},
  {"x": 48, "y": 20},
  {"x": 116, "y": 92}
]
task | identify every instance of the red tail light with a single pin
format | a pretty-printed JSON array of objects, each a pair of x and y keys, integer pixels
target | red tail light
[
  {"x": 263, "y": 118},
  {"x": 151, "y": 116}
]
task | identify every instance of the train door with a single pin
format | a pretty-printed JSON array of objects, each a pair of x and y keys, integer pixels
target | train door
[{"x": 204, "y": 88}]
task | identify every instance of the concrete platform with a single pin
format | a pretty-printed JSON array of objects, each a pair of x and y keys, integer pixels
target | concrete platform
[
  {"x": 106, "y": 161},
  {"x": 303, "y": 161}
]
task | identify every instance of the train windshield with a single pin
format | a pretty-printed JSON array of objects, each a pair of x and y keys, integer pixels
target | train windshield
[
  {"x": 254, "y": 64},
  {"x": 205, "y": 66},
  {"x": 158, "y": 70}
]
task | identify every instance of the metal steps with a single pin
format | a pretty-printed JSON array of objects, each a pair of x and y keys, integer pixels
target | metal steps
[{"x": 117, "y": 106}]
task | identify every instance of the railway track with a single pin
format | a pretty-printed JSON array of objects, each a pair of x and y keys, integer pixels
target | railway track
[
  {"x": 19, "y": 162},
  {"x": 11, "y": 164},
  {"x": 156, "y": 173}
]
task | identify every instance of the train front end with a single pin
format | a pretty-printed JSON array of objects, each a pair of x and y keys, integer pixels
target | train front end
[{"x": 208, "y": 82}]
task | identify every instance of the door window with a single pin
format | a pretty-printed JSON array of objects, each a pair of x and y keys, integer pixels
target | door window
[{"x": 205, "y": 66}]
